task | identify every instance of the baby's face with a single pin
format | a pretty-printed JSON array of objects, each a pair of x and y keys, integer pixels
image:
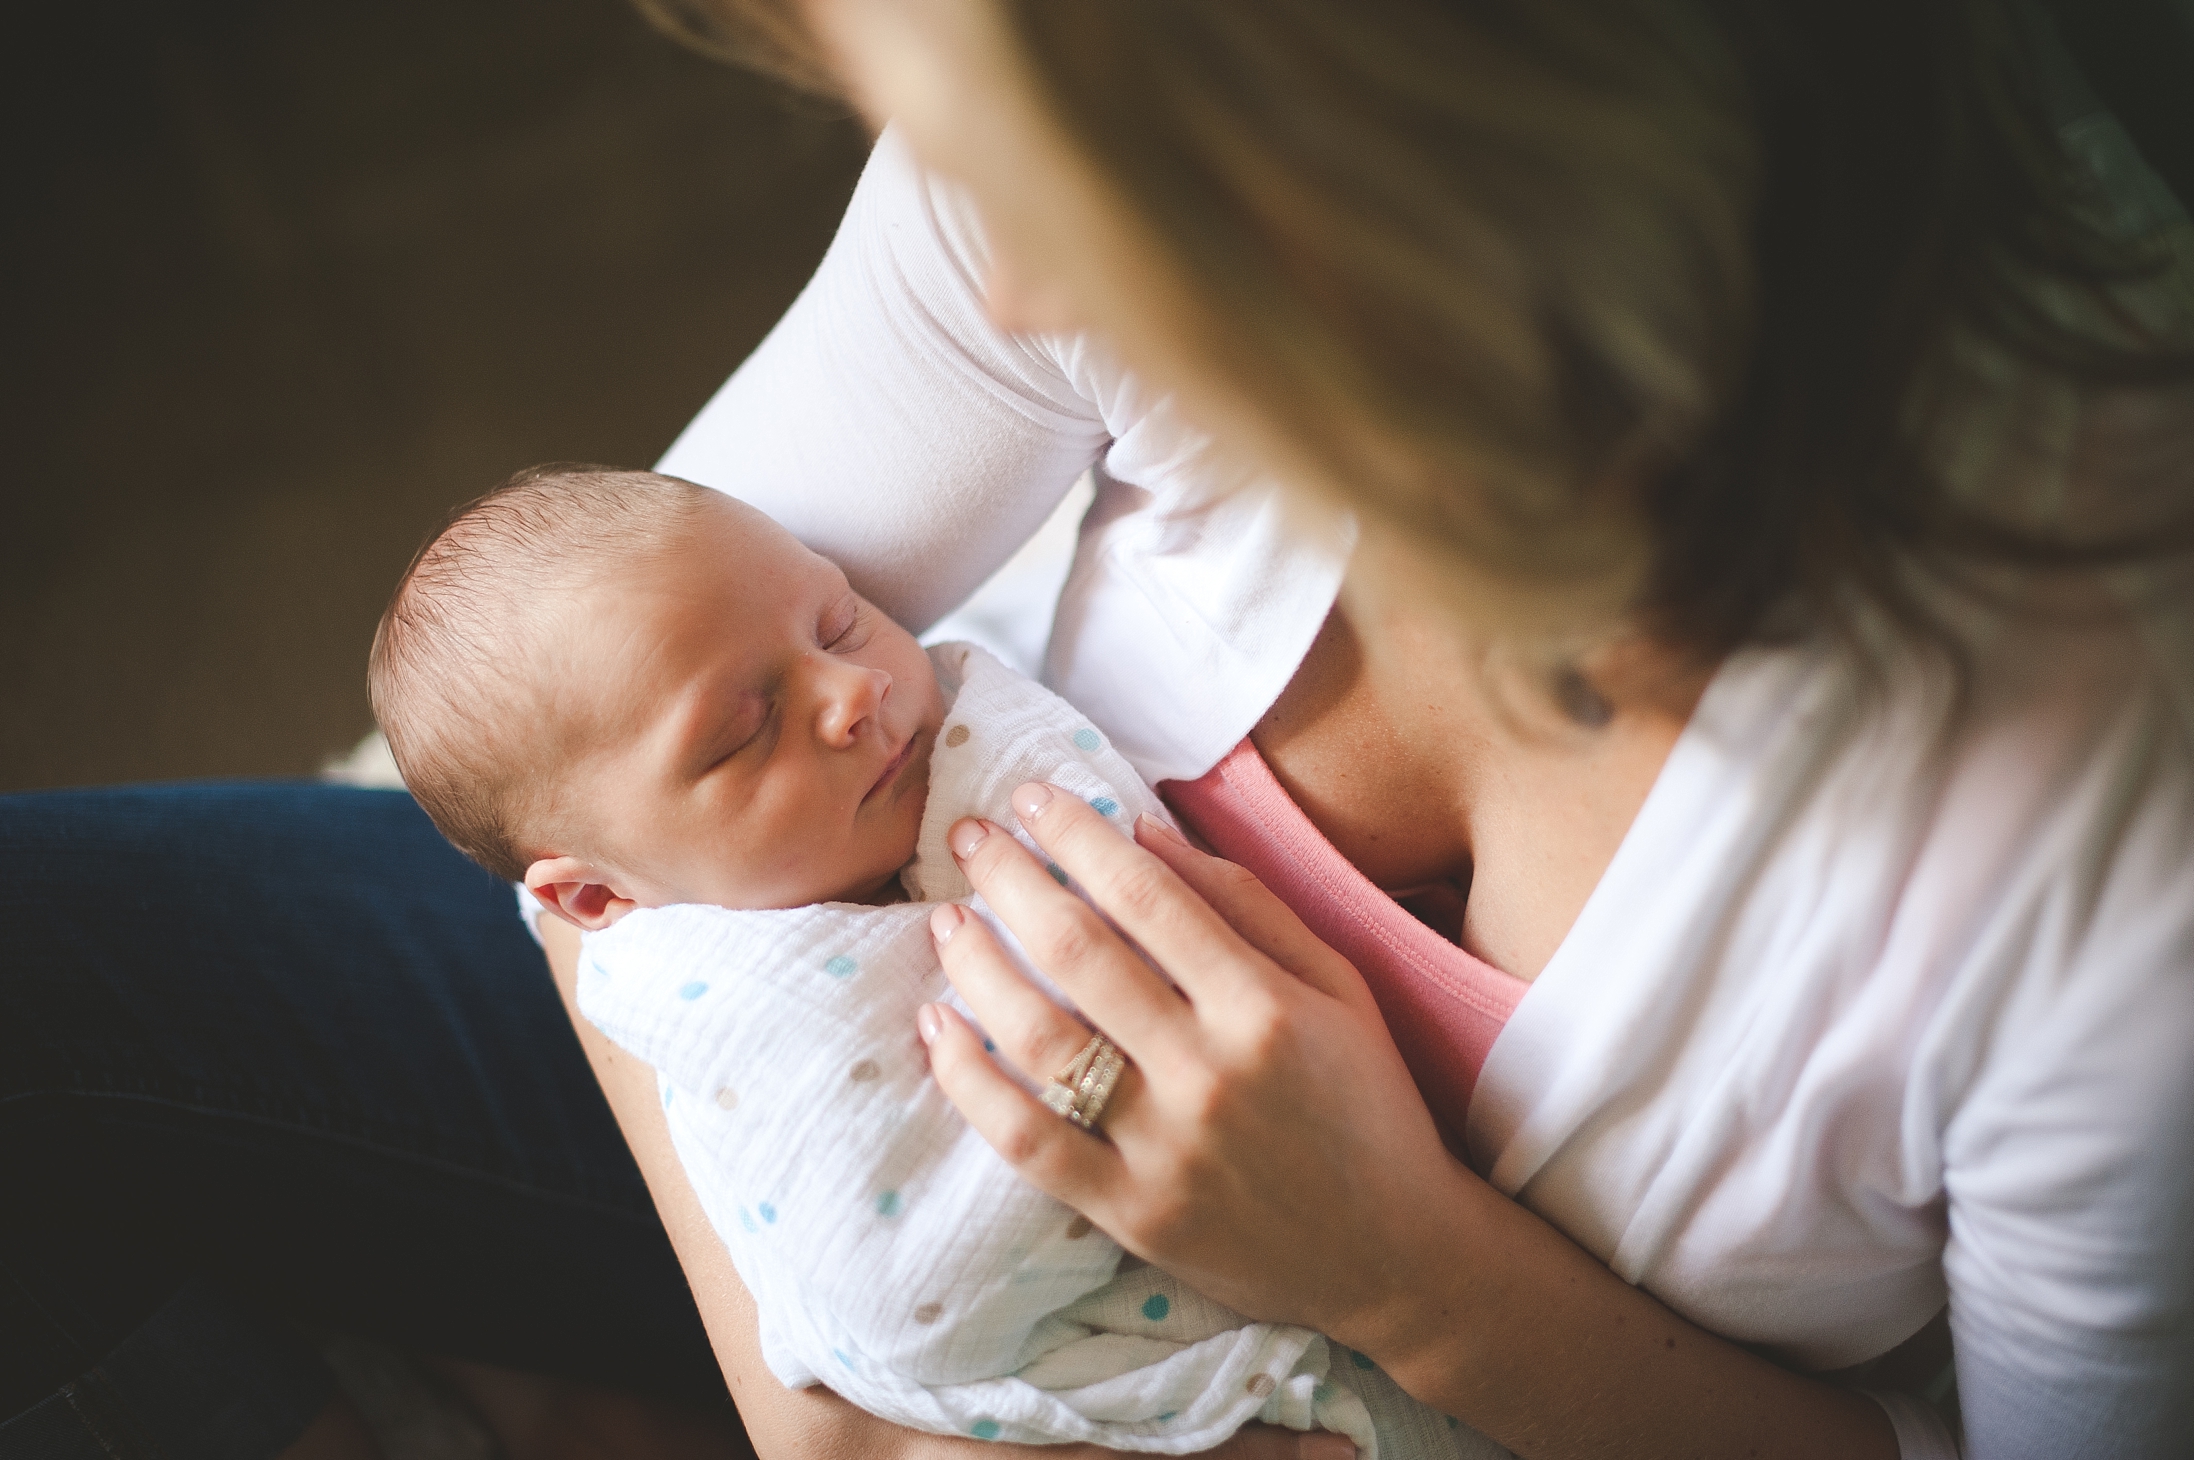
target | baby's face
[{"x": 760, "y": 734}]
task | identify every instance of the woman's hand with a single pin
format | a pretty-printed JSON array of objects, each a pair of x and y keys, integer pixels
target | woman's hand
[{"x": 1268, "y": 1146}]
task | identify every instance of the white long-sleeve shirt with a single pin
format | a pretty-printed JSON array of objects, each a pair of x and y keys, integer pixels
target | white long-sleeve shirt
[{"x": 1881, "y": 1003}]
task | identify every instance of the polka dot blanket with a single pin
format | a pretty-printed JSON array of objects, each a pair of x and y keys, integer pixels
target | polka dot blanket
[{"x": 892, "y": 1255}]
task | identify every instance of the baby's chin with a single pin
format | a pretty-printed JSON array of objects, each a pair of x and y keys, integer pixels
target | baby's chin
[
  {"x": 878, "y": 893},
  {"x": 887, "y": 889}
]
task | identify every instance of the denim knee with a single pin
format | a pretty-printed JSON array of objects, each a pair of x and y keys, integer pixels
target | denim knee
[{"x": 207, "y": 1377}]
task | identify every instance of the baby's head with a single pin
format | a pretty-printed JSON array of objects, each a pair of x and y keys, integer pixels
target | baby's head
[{"x": 628, "y": 691}]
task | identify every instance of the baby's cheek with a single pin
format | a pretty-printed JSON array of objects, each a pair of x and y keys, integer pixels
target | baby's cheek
[{"x": 907, "y": 825}]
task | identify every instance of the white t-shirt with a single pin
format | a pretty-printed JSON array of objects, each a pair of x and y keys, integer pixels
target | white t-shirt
[{"x": 1876, "y": 1007}]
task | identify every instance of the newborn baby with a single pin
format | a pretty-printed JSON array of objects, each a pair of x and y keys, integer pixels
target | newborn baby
[{"x": 687, "y": 735}]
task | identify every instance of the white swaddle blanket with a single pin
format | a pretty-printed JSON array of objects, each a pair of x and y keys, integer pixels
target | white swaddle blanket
[{"x": 891, "y": 1254}]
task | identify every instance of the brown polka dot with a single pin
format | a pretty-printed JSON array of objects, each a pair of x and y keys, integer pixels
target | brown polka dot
[
  {"x": 865, "y": 1070},
  {"x": 727, "y": 1097},
  {"x": 1078, "y": 1229},
  {"x": 929, "y": 1313},
  {"x": 1262, "y": 1385},
  {"x": 956, "y": 737}
]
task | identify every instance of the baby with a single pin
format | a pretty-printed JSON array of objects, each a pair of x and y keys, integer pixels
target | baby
[{"x": 687, "y": 735}]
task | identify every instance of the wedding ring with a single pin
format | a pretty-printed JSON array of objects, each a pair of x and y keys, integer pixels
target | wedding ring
[
  {"x": 1079, "y": 1091},
  {"x": 1096, "y": 1087}
]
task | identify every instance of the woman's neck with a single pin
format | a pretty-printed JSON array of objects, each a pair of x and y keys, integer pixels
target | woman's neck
[{"x": 1431, "y": 766}]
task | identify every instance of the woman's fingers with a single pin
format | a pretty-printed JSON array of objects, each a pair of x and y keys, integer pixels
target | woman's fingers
[
  {"x": 1049, "y": 1152},
  {"x": 1253, "y": 910},
  {"x": 1173, "y": 925},
  {"x": 1034, "y": 1034},
  {"x": 1069, "y": 941}
]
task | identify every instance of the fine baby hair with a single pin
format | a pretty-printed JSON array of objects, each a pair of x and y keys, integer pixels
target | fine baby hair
[{"x": 450, "y": 669}]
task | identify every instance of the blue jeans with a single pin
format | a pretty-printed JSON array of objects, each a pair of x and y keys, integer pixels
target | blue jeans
[{"x": 273, "y": 1052}]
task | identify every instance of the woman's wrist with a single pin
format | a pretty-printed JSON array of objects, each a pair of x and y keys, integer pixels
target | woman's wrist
[{"x": 1432, "y": 1301}]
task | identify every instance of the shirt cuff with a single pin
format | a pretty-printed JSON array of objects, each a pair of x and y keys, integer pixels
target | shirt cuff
[{"x": 1922, "y": 1433}]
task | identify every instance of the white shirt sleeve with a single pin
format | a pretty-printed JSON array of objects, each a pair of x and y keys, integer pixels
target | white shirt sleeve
[
  {"x": 2069, "y": 1165},
  {"x": 1921, "y": 1432},
  {"x": 886, "y": 421},
  {"x": 894, "y": 428}
]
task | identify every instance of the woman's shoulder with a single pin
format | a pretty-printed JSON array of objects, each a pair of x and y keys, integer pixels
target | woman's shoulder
[
  {"x": 1979, "y": 860},
  {"x": 2015, "y": 723},
  {"x": 1883, "y": 940}
]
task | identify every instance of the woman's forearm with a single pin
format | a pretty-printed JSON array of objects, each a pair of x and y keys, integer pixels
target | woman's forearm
[
  {"x": 812, "y": 1424},
  {"x": 780, "y": 1421},
  {"x": 1553, "y": 1355}
]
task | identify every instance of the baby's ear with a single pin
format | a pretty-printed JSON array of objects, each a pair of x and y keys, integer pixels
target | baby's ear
[{"x": 574, "y": 891}]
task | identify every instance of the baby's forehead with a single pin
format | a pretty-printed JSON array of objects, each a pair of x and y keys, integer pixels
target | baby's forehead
[{"x": 605, "y": 600}]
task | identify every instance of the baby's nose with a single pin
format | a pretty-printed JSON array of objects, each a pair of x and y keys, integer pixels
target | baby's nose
[{"x": 851, "y": 694}]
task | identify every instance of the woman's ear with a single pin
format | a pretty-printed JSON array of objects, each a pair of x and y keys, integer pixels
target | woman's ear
[{"x": 575, "y": 892}]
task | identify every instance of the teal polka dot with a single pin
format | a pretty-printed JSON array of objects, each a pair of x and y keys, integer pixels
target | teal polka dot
[
  {"x": 984, "y": 1429},
  {"x": 1323, "y": 1394},
  {"x": 595, "y": 967},
  {"x": 887, "y": 1205},
  {"x": 1167, "y": 1415},
  {"x": 841, "y": 967},
  {"x": 1358, "y": 1360},
  {"x": 747, "y": 1221},
  {"x": 990, "y": 1046},
  {"x": 1087, "y": 739},
  {"x": 1105, "y": 806},
  {"x": 1453, "y": 1423},
  {"x": 769, "y": 1213},
  {"x": 668, "y": 1091},
  {"x": 1058, "y": 873},
  {"x": 1156, "y": 1307},
  {"x": 840, "y": 1355},
  {"x": 693, "y": 990}
]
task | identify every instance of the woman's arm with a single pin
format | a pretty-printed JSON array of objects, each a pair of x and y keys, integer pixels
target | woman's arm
[
  {"x": 812, "y": 1424},
  {"x": 1270, "y": 1149},
  {"x": 781, "y": 1421},
  {"x": 886, "y": 421}
]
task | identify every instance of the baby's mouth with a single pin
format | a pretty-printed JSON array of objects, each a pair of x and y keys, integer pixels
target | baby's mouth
[{"x": 892, "y": 768}]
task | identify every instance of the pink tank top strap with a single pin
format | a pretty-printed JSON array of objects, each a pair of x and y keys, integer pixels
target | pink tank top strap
[{"x": 1444, "y": 1006}]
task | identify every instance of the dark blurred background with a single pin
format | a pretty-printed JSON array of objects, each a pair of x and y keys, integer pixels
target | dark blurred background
[{"x": 284, "y": 282}]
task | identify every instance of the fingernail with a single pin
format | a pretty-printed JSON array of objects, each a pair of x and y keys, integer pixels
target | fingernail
[
  {"x": 946, "y": 921},
  {"x": 1031, "y": 800},
  {"x": 1150, "y": 826},
  {"x": 967, "y": 835},
  {"x": 926, "y": 1023},
  {"x": 1325, "y": 1447}
]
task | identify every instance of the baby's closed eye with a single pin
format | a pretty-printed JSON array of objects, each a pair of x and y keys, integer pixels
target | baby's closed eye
[{"x": 845, "y": 627}]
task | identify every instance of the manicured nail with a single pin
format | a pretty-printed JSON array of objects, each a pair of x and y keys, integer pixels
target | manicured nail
[
  {"x": 1148, "y": 825},
  {"x": 1031, "y": 800},
  {"x": 967, "y": 835},
  {"x": 946, "y": 921},
  {"x": 926, "y": 1023},
  {"x": 1325, "y": 1447}
]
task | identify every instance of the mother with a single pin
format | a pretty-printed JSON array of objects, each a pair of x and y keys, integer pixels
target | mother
[
  {"x": 1747, "y": 654},
  {"x": 1723, "y": 654}
]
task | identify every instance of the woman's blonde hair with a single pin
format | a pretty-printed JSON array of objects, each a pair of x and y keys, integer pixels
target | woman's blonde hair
[{"x": 1721, "y": 268}]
